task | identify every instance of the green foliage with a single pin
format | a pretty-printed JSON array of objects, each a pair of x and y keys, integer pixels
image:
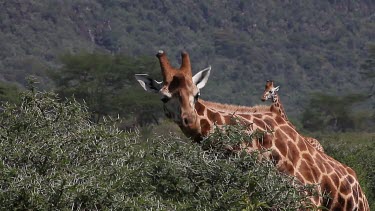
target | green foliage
[
  {"x": 54, "y": 158},
  {"x": 9, "y": 93},
  {"x": 225, "y": 143},
  {"x": 331, "y": 113},
  {"x": 106, "y": 84},
  {"x": 369, "y": 64},
  {"x": 369, "y": 73},
  {"x": 304, "y": 46},
  {"x": 357, "y": 151}
]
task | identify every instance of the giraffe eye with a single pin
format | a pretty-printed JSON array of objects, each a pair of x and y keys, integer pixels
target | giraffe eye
[
  {"x": 270, "y": 92},
  {"x": 196, "y": 97}
]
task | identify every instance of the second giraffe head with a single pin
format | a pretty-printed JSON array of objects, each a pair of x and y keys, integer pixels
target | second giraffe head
[{"x": 270, "y": 91}]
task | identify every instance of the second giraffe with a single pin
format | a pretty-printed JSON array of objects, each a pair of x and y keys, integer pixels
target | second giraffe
[{"x": 270, "y": 92}]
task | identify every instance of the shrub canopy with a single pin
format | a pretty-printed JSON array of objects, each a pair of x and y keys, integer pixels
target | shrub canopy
[{"x": 54, "y": 158}]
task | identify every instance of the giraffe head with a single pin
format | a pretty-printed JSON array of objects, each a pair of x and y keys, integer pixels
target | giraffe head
[
  {"x": 179, "y": 90},
  {"x": 269, "y": 91}
]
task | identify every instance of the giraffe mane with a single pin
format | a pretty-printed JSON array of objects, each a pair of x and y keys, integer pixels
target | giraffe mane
[{"x": 236, "y": 108}]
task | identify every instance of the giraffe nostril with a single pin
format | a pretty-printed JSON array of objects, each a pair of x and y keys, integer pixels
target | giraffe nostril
[{"x": 186, "y": 121}]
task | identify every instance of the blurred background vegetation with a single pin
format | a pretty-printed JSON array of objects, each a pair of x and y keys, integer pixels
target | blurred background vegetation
[
  {"x": 320, "y": 53},
  {"x": 94, "y": 47}
]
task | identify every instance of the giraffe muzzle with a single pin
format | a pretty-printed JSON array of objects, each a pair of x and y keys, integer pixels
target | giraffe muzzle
[{"x": 187, "y": 120}]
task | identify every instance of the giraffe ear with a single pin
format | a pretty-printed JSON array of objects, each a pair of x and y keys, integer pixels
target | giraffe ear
[
  {"x": 276, "y": 89},
  {"x": 200, "y": 79},
  {"x": 148, "y": 84}
]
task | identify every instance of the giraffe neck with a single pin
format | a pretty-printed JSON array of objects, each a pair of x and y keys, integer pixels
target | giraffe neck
[
  {"x": 277, "y": 106},
  {"x": 215, "y": 114},
  {"x": 291, "y": 154}
]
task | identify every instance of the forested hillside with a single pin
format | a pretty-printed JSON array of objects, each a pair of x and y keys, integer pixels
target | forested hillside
[{"x": 304, "y": 46}]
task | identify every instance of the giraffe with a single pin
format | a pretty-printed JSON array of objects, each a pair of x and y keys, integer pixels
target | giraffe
[
  {"x": 270, "y": 92},
  {"x": 180, "y": 94}
]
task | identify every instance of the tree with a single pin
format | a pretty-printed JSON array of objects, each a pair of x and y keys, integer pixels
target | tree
[
  {"x": 9, "y": 93},
  {"x": 369, "y": 68},
  {"x": 106, "y": 83},
  {"x": 328, "y": 112},
  {"x": 369, "y": 74}
]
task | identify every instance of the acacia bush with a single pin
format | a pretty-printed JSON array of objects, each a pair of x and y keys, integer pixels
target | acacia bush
[{"x": 54, "y": 158}]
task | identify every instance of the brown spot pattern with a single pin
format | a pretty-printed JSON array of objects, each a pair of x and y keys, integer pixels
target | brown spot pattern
[
  {"x": 281, "y": 135},
  {"x": 266, "y": 141},
  {"x": 205, "y": 127},
  {"x": 306, "y": 171},
  {"x": 328, "y": 168},
  {"x": 319, "y": 157},
  {"x": 200, "y": 109},
  {"x": 302, "y": 146},
  {"x": 290, "y": 131},
  {"x": 286, "y": 168},
  {"x": 293, "y": 153},
  {"x": 268, "y": 114},
  {"x": 361, "y": 207},
  {"x": 345, "y": 188},
  {"x": 259, "y": 116},
  {"x": 349, "y": 204},
  {"x": 218, "y": 119},
  {"x": 309, "y": 160},
  {"x": 327, "y": 187},
  {"x": 246, "y": 116},
  {"x": 289, "y": 168},
  {"x": 351, "y": 172},
  {"x": 337, "y": 207},
  {"x": 228, "y": 119},
  {"x": 321, "y": 167},
  {"x": 310, "y": 148},
  {"x": 316, "y": 174},
  {"x": 279, "y": 119},
  {"x": 281, "y": 146},
  {"x": 211, "y": 115},
  {"x": 259, "y": 123},
  {"x": 350, "y": 178},
  {"x": 271, "y": 122},
  {"x": 335, "y": 180},
  {"x": 300, "y": 177}
]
